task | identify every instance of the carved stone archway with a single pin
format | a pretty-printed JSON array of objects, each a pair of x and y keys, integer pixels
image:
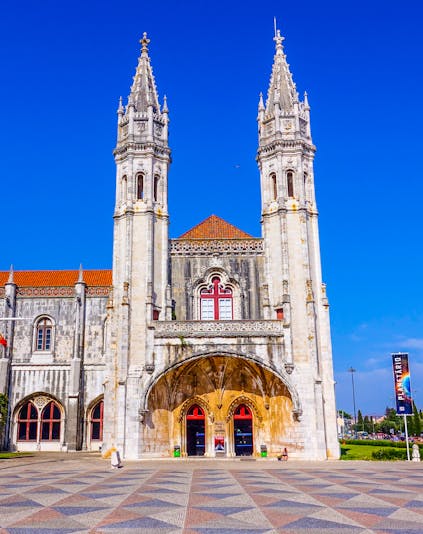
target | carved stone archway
[
  {"x": 218, "y": 384},
  {"x": 281, "y": 374}
]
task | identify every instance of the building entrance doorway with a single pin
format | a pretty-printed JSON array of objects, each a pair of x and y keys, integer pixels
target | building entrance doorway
[
  {"x": 243, "y": 431},
  {"x": 195, "y": 431}
]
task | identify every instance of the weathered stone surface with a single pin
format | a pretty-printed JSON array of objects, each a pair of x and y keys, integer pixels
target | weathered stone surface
[{"x": 223, "y": 324}]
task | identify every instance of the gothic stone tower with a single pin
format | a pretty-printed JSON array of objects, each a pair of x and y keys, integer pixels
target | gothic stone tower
[
  {"x": 219, "y": 342},
  {"x": 292, "y": 253},
  {"x": 141, "y": 290}
]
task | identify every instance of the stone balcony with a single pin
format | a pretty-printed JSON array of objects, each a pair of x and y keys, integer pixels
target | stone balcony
[{"x": 193, "y": 329}]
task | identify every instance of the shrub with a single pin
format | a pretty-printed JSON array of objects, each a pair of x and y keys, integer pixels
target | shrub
[
  {"x": 389, "y": 454},
  {"x": 381, "y": 443}
]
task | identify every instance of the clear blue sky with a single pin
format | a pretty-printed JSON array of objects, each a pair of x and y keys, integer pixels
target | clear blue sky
[{"x": 65, "y": 64}]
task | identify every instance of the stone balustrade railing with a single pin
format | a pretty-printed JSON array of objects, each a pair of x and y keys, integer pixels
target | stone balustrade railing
[{"x": 188, "y": 329}]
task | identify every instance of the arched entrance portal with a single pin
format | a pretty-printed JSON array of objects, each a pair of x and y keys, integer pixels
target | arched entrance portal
[
  {"x": 243, "y": 431},
  {"x": 217, "y": 406},
  {"x": 196, "y": 431}
]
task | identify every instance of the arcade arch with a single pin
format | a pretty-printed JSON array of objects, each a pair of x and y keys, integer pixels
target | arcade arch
[{"x": 202, "y": 405}]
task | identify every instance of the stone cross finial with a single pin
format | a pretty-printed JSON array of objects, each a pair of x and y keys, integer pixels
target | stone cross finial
[
  {"x": 278, "y": 40},
  {"x": 144, "y": 43}
]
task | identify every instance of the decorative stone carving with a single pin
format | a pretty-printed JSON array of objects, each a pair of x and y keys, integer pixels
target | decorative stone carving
[
  {"x": 309, "y": 290},
  {"x": 149, "y": 368},
  {"x": 59, "y": 291},
  {"x": 201, "y": 402},
  {"x": 218, "y": 328},
  {"x": 325, "y": 300},
  {"x": 289, "y": 367},
  {"x": 243, "y": 399},
  {"x": 41, "y": 401},
  {"x": 142, "y": 414},
  {"x": 297, "y": 413},
  {"x": 207, "y": 247}
]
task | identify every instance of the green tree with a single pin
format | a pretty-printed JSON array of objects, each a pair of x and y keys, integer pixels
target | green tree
[
  {"x": 410, "y": 425},
  {"x": 360, "y": 421},
  {"x": 417, "y": 424},
  {"x": 368, "y": 425},
  {"x": 391, "y": 421}
]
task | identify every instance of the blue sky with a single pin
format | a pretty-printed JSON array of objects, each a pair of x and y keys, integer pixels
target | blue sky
[{"x": 65, "y": 64}]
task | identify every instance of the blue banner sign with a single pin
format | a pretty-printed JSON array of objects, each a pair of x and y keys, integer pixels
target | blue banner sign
[{"x": 402, "y": 384}]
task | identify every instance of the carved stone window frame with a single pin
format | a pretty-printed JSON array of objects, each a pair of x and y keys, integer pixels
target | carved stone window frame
[
  {"x": 35, "y": 331},
  {"x": 227, "y": 282}
]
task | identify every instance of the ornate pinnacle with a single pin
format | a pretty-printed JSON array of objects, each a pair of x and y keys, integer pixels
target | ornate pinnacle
[
  {"x": 306, "y": 100},
  {"x": 11, "y": 279},
  {"x": 278, "y": 40},
  {"x": 261, "y": 103},
  {"x": 165, "y": 108},
  {"x": 144, "y": 44},
  {"x": 120, "y": 108},
  {"x": 80, "y": 274}
]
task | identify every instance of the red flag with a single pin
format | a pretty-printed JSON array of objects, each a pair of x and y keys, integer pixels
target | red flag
[{"x": 3, "y": 341}]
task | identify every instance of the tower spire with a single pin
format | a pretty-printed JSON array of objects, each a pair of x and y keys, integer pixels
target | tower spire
[
  {"x": 282, "y": 90},
  {"x": 143, "y": 91}
]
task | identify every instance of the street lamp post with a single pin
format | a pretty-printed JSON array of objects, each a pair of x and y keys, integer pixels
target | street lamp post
[{"x": 352, "y": 371}]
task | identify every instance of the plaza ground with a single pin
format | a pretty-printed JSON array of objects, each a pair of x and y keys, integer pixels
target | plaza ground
[{"x": 80, "y": 493}]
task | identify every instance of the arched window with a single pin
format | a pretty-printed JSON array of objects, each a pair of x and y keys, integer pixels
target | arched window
[
  {"x": 156, "y": 187},
  {"x": 274, "y": 185},
  {"x": 124, "y": 189},
  {"x": 27, "y": 422},
  {"x": 44, "y": 334},
  {"x": 216, "y": 302},
  {"x": 290, "y": 183},
  {"x": 50, "y": 422},
  {"x": 140, "y": 186},
  {"x": 97, "y": 421}
]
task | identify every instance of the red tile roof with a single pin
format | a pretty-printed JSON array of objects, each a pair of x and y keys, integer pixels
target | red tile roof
[
  {"x": 215, "y": 228},
  {"x": 101, "y": 278}
]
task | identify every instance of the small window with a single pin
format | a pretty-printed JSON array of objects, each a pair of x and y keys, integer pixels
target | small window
[
  {"x": 50, "y": 422},
  {"x": 274, "y": 185},
  {"x": 44, "y": 332},
  {"x": 156, "y": 187},
  {"x": 140, "y": 186},
  {"x": 27, "y": 422},
  {"x": 290, "y": 183}
]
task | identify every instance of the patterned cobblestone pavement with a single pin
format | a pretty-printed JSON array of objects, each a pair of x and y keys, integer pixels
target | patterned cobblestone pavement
[{"x": 76, "y": 494}]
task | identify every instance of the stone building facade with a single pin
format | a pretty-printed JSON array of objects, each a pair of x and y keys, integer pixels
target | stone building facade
[{"x": 213, "y": 344}]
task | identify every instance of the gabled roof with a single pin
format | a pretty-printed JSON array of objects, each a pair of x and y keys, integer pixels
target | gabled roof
[
  {"x": 215, "y": 228},
  {"x": 101, "y": 278}
]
